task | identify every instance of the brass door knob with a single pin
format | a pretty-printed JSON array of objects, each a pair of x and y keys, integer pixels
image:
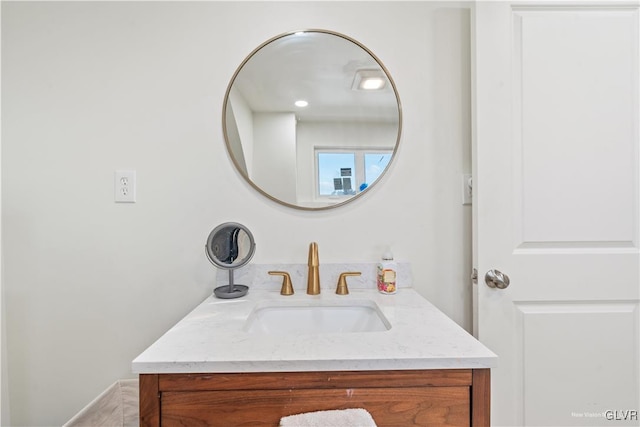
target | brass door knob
[
  {"x": 287, "y": 286},
  {"x": 342, "y": 288}
]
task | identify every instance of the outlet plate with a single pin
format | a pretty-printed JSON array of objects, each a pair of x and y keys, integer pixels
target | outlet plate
[{"x": 125, "y": 186}]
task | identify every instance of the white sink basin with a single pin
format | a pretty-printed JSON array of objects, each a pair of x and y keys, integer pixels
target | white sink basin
[{"x": 280, "y": 318}]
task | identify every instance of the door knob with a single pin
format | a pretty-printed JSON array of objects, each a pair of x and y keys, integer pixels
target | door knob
[{"x": 496, "y": 279}]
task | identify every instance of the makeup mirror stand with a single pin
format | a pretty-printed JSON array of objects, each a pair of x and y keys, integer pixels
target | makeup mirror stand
[
  {"x": 230, "y": 246},
  {"x": 231, "y": 290}
]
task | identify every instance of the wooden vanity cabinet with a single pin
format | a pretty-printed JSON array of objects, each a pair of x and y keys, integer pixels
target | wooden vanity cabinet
[{"x": 447, "y": 397}]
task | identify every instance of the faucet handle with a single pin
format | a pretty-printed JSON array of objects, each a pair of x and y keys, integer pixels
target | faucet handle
[
  {"x": 342, "y": 288},
  {"x": 287, "y": 286}
]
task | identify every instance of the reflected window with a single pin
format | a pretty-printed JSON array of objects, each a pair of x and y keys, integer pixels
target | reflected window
[
  {"x": 347, "y": 172},
  {"x": 375, "y": 164},
  {"x": 335, "y": 173}
]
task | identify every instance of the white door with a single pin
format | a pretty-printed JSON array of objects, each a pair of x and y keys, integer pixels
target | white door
[{"x": 556, "y": 209}]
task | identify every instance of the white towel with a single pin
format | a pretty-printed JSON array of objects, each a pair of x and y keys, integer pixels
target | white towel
[{"x": 334, "y": 418}]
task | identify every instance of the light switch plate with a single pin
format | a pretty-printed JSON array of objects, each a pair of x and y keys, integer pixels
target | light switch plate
[{"x": 467, "y": 189}]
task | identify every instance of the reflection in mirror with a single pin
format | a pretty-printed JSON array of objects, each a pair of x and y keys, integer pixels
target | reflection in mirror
[
  {"x": 230, "y": 246},
  {"x": 312, "y": 119}
]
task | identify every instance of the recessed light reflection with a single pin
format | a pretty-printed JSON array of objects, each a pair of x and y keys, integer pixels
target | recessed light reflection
[
  {"x": 373, "y": 83},
  {"x": 369, "y": 80}
]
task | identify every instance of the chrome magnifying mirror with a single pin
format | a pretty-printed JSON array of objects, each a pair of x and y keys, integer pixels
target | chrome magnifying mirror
[{"x": 230, "y": 246}]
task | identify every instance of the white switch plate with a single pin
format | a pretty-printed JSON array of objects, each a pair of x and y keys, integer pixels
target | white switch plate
[
  {"x": 125, "y": 186},
  {"x": 467, "y": 189}
]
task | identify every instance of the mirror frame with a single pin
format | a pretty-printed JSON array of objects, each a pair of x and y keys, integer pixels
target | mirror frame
[{"x": 246, "y": 176}]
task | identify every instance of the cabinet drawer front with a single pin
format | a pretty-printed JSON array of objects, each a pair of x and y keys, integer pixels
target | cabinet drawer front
[
  {"x": 441, "y": 406},
  {"x": 334, "y": 379}
]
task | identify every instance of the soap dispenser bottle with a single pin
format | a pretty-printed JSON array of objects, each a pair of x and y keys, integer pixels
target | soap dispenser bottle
[{"x": 386, "y": 274}]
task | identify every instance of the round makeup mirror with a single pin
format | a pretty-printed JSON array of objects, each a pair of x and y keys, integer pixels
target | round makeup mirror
[
  {"x": 230, "y": 246},
  {"x": 312, "y": 119}
]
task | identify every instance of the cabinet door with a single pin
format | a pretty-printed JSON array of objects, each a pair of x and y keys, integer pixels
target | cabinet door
[
  {"x": 434, "y": 406},
  {"x": 556, "y": 209}
]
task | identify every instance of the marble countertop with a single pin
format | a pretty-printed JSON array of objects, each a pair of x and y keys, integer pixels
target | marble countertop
[{"x": 212, "y": 339}]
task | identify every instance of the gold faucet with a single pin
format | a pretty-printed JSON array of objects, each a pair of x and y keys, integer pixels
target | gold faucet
[
  {"x": 313, "y": 279},
  {"x": 287, "y": 286},
  {"x": 342, "y": 288}
]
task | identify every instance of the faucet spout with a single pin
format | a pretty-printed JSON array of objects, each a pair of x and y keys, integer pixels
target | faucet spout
[{"x": 313, "y": 279}]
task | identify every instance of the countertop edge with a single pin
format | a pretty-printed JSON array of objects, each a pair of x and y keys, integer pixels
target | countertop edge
[{"x": 312, "y": 365}]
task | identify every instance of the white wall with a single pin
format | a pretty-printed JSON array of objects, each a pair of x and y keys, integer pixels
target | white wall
[
  {"x": 90, "y": 87},
  {"x": 243, "y": 119},
  {"x": 275, "y": 145}
]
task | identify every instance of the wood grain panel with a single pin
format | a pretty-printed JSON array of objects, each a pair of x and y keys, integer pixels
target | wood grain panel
[
  {"x": 301, "y": 380},
  {"x": 149, "y": 400},
  {"x": 481, "y": 398},
  {"x": 445, "y": 406}
]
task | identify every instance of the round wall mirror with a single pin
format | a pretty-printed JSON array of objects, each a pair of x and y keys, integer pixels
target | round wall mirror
[
  {"x": 230, "y": 246},
  {"x": 312, "y": 119}
]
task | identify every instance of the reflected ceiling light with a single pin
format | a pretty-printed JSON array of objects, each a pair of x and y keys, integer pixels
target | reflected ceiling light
[
  {"x": 369, "y": 80},
  {"x": 372, "y": 83},
  {"x": 301, "y": 103}
]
